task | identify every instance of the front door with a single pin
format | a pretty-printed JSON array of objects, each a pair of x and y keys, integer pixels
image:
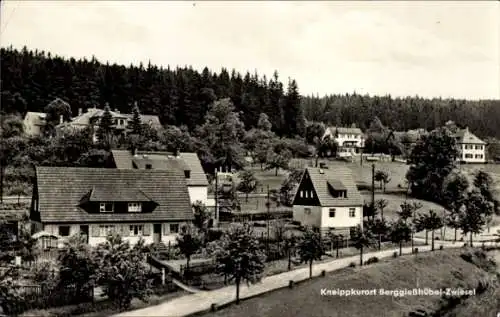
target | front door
[
  {"x": 157, "y": 232},
  {"x": 84, "y": 229}
]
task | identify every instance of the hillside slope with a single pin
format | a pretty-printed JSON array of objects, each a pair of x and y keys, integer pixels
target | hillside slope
[{"x": 441, "y": 269}]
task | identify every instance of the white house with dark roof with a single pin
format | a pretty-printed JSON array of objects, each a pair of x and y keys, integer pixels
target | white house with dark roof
[
  {"x": 91, "y": 117},
  {"x": 471, "y": 148},
  {"x": 350, "y": 141},
  {"x": 328, "y": 199},
  {"x": 152, "y": 204},
  {"x": 188, "y": 163}
]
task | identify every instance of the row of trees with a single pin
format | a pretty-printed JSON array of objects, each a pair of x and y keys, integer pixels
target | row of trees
[
  {"x": 402, "y": 114},
  {"x": 180, "y": 96},
  {"x": 221, "y": 142}
]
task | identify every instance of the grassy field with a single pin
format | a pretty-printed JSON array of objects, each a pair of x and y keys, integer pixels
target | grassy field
[
  {"x": 362, "y": 173},
  {"x": 433, "y": 270}
]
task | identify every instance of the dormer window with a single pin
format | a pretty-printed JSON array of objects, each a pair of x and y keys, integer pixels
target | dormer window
[
  {"x": 337, "y": 189},
  {"x": 106, "y": 207},
  {"x": 187, "y": 174},
  {"x": 134, "y": 207}
]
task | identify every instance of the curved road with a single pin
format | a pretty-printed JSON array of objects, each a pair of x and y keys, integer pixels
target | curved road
[{"x": 202, "y": 301}]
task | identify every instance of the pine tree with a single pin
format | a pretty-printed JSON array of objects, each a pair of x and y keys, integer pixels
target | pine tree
[
  {"x": 293, "y": 114},
  {"x": 105, "y": 129},
  {"x": 136, "y": 123}
]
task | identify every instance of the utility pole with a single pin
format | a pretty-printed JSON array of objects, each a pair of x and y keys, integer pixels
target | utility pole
[
  {"x": 216, "y": 195},
  {"x": 373, "y": 185},
  {"x": 268, "y": 205}
]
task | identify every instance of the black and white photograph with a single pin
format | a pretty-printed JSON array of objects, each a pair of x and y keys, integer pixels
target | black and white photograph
[{"x": 249, "y": 158}]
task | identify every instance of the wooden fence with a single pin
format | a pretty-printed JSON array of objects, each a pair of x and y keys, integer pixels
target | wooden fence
[{"x": 40, "y": 297}]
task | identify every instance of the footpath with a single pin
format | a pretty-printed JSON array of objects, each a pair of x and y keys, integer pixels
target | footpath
[{"x": 202, "y": 301}]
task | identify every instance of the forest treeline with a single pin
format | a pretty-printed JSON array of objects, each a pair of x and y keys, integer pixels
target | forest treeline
[{"x": 181, "y": 96}]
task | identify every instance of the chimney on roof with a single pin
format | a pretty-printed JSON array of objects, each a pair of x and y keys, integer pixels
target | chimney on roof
[
  {"x": 80, "y": 111},
  {"x": 321, "y": 171},
  {"x": 61, "y": 119}
]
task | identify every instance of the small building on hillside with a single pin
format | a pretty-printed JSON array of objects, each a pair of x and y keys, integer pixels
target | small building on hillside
[
  {"x": 328, "y": 199},
  {"x": 471, "y": 148},
  {"x": 96, "y": 201},
  {"x": 350, "y": 141},
  {"x": 187, "y": 163},
  {"x": 91, "y": 117},
  {"x": 34, "y": 123}
]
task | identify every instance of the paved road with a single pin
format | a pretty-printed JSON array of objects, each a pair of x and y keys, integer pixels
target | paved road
[{"x": 202, "y": 301}]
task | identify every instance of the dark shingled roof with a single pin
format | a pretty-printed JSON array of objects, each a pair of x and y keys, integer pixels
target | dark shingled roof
[
  {"x": 61, "y": 189},
  {"x": 122, "y": 159},
  {"x": 198, "y": 176},
  {"x": 335, "y": 175},
  {"x": 163, "y": 161}
]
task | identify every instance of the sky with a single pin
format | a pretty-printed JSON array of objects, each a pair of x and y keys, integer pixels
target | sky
[{"x": 430, "y": 49}]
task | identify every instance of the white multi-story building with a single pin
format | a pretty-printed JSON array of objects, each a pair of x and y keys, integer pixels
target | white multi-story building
[
  {"x": 350, "y": 141},
  {"x": 471, "y": 148}
]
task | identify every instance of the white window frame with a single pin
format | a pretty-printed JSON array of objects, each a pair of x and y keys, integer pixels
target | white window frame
[
  {"x": 352, "y": 212},
  {"x": 134, "y": 207},
  {"x": 136, "y": 228},
  {"x": 104, "y": 230},
  {"x": 102, "y": 207}
]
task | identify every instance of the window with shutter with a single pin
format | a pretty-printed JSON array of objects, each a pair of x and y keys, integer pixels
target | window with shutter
[
  {"x": 166, "y": 229},
  {"x": 125, "y": 231},
  {"x": 147, "y": 229},
  {"x": 94, "y": 230}
]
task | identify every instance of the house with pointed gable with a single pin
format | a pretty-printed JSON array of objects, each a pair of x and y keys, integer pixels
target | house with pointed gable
[
  {"x": 152, "y": 204},
  {"x": 328, "y": 199}
]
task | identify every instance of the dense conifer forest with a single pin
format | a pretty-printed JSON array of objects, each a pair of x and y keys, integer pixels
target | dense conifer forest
[{"x": 181, "y": 96}]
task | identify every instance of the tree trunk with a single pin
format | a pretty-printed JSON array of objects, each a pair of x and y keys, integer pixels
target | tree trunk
[
  {"x": 361, "y": 256},
  {"x": 400, "y": 247},
  {"x": 426, "y": 237},
  {"x": 432, "y": 240},
  {"x": 276, "y": 172},
  {"x": 1, "y": 183},
  {"x": 455, "y": 234},
  {"x": 412, "y": 243},
  {"x": 316, "y": 162},
  {"x": 237, "y": 290},
  {"x": 379, "y": 242},
  {"x": 289, "y": 259},
  {"x": 310, "y": 269},
  {"x": 382, "y": 213},
  {"x": 337, "y": 247},
  {"x": 471, "y": 239},
  {"x": 186, "y": 272}
]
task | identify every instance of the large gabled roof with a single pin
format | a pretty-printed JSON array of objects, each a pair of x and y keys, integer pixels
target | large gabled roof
[
  {"x": 86, "y": 117},
  {"x": 61, "y": 190},
  {"x": 336, "y": 176},
  {"x": 163, "y": 161},
  {"x": 464, "y": 136}
]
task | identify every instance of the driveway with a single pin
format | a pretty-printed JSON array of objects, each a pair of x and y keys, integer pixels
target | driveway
[{"x": 202, "y": 301}]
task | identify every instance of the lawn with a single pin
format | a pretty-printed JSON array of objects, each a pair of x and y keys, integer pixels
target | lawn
[
  {"x": 394, "y": 202},
  {"x": 432, "y": 270}
]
